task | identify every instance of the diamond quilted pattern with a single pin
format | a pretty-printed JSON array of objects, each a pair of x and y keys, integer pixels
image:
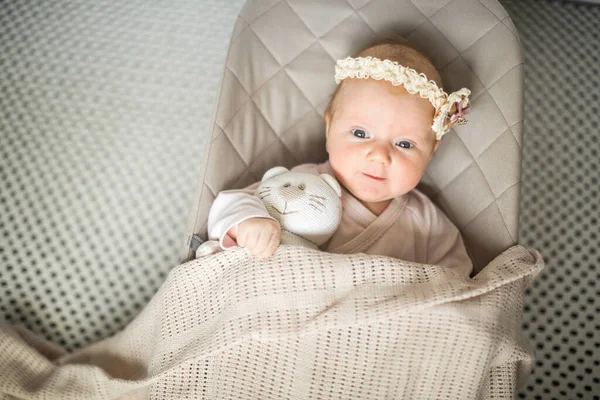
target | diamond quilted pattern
[
  {"x": 511, "y": 27},
  {"x": 462, "y": 35},
  {"x": 311, "y": 72},
  {"x": 240, "y": 26},
  {"x": 246, "y": 179},
  {"x": 483, "y": 238},
  {"x": 435, "y": 45},
  {"x": 216, "y": 177},
  {"x": 429, "y": 8},
  {"x": 307, "y": 146},
  {"x": 505, "y": 204},
  {"x": 282, "y": 56},
  {"x": 251, "y": 76},
  {"x": 254, "y": 9},
  {"x": 428, "y": 186},
  {"x": 392, "y": 16},
  {"x": 352, "y": 34},
  {"x": 486, "y": 123},
  {"x": 250, "y": 133},
  {"x": 443, "y": 172},
  {"x": 517, "y": 130},
  {"x": 281, "y": 111},
  {"x": 510, "y": 105},
  {"x": 276, "y": 154},
  {"x": 472, "y": 188},
  {"x": 457, "y": 75},
  {"x": 289, "y": 25},
  {"x": 232, "y": 103},
  {"x": 492, "y": 56},
  {"x": 356, "y": 4},
  {"x": 217, "y": 131},
  {"x": 500, "y": 163},
  {"x": 495, "y": 7},
  {"x": 322, "y": 107},
  {"x": 321, "y": 16}
]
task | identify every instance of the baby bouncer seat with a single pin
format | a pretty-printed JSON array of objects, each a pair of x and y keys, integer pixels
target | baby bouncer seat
[
  {"x": 276, "y": 83},
  {"x": 278, "y": 79}
]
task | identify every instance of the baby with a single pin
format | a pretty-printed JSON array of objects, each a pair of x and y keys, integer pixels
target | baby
[{"x": 384, "y": 123}]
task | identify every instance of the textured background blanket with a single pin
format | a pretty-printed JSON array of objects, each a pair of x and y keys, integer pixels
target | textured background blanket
[{"x": 302, "y": 324}]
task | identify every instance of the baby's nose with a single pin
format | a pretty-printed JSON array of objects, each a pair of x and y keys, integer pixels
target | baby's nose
[
  {"x": 379, "y": 153},
  {"x": 291, "y": 192}
]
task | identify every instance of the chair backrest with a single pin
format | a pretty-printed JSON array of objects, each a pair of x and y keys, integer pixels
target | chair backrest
[{"x": 278, "y": 80}]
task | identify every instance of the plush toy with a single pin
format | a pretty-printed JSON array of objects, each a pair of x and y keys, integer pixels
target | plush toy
[{"x": 308, "y": 207}]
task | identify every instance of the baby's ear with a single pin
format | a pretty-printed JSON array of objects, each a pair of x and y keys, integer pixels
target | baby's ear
[
  {"x": 327, "y": 117},
  {"x": 330, "y": 180},
  {"x": 274, "y": 172}
]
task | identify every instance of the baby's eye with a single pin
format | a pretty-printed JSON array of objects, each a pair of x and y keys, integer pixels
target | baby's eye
[
  {"x": 404, "y": 144},
  {"x": 359, "y": 133}
]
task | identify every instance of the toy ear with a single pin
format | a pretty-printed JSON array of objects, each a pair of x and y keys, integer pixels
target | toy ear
[
  {"x": 274, "y": 172},
  {"x": 330, "y": 180}
]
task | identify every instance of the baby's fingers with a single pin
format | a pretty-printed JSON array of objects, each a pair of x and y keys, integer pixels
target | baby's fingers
[
  {"x": 242, "y": 238},
  {"x": 271, "y": 246},
  {"x": 250, "y": 241},
  {"x": 262, "y": 242}
]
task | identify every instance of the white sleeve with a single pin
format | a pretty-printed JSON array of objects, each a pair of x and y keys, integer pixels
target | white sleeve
[
  {"x": 231, "y": 208},
  {"x": 445, "y": 244}
]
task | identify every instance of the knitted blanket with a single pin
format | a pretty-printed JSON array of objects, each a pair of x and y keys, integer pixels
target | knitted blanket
[{"x": 303, "y": 324}]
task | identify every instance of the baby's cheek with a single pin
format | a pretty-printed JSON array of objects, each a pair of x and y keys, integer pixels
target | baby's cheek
[
  {"x": 411, "y": 170},
  {"x": 340, "y": 150},
  {"x": 341, "y": 159},
  {"x": 338, "y": 160},
  {"x": 352, "y": 150}
]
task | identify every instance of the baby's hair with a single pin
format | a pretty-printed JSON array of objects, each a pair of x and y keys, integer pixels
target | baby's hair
[{"x": 398, "y": 49}]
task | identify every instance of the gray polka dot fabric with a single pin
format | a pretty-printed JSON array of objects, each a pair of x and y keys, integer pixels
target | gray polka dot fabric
[
  {"x": 103, "y": 107},
  {"x": 559, "y": 194}
]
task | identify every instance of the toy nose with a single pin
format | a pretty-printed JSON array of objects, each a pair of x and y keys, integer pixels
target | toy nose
[{"x": 290, "y": 192}]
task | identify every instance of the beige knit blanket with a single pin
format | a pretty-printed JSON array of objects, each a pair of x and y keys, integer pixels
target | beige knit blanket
[{"x": 304, "y": 324}]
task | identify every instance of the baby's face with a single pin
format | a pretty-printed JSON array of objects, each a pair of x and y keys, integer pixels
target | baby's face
[{"x": 379, "y": 140}]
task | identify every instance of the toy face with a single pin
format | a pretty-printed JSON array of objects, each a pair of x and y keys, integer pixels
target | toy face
[{"x": 303, "y": 204}]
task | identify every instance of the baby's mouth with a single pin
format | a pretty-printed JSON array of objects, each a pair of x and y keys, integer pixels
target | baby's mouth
[{"x": 374, "y": 177}]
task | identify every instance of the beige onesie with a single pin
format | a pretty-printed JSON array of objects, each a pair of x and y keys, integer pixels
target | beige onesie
[{"x": 411, "y": 228}]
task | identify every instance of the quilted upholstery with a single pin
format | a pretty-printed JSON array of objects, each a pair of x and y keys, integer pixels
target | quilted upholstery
[{"x": 279, "y": 77}]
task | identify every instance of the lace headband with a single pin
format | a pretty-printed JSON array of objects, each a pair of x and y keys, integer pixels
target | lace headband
[{"x": 449, "y": 109}]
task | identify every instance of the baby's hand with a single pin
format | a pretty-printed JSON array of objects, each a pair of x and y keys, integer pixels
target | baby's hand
[{"x": 259, "y": 235}]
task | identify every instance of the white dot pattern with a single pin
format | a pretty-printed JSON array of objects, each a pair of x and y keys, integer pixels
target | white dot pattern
[
  {"x": 559, "y": 203},
  {"x": 104, "y": 109}
]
